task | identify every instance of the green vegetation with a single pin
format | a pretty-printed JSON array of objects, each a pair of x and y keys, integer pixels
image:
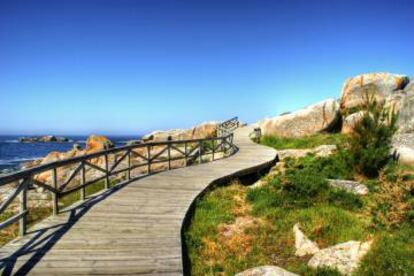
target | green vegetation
[
  {"x": 370, "y": 143},
  {"x": 298, "y": 192},
  {"x": 303, "y": 142}
]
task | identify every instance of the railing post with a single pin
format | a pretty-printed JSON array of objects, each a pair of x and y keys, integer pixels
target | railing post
[
  {"x": 149, "y": 160},
  {"x": 169, "y": 156},
  {"x": 83, "y": 181},
  {"x": 200, "y": 145},
  {"x": 106, "y": 171},
  {"x": 55, "y": 196},
  {"x": 185, "y": 154},
  {"x": 23, "y": 207},
  {"x": 129, "y": 165},
  {"x": 214, "y": 147}
]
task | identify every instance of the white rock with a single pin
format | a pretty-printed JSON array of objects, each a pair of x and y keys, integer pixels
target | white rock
[
  {"x": 344, "y": 257},
  {"x": 266, "y": 270},
  {"x": 404, "y": 155},
  {"x": 350, "y": 186},
  {"x": 303, "y": 245},
  {"x": 310, "y": 120}
]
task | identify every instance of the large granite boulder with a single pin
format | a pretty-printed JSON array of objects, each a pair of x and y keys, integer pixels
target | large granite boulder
[
  {"x": 385, "y": 84},
  {"x": 204, "y": 130},
  {"x": 406, "y": 113},
  {"x": 403, "y": 148},
  {"x": 313, "y": 119},
  {"x": 97, "y": 143},
  {"x": 267, "y": 270}
]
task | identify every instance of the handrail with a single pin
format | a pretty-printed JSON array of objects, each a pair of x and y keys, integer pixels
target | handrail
[
  {"x": 150, "y": 153},
  {"x": 228, "y": 126}
]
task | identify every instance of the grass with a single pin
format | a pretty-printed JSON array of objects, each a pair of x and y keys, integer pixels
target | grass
[
  {"x": 327, "y": 216},
  {"x": 303, "y": 142}
]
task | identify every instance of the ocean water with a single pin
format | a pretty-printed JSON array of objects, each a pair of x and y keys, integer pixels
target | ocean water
[{"x": 13, "y": 153}]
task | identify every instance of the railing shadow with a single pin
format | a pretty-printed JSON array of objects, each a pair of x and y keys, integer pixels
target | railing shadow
[{"x": 40, "y": 241}]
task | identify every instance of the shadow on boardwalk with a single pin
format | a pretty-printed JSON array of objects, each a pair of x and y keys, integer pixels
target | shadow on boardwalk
[{"x": 40, "y": 240}]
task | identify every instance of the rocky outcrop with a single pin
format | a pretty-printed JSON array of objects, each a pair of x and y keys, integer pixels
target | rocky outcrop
[
  {"x": 266, "y": 270},
  {"x": 303, "y": 245},
  {"x": 385, "y": 84},
  {"x": 98, "y": 143},
  {"x": 320, "y": 151},
  {"x": 344, "y": 257},
  {"x": 203, "y": 130},
  {"x": 310, "y": 120},
  {"x": 349, "y": 186},
  {"x": 44, "y": 139},
  {"x": 395, "y": 91}
]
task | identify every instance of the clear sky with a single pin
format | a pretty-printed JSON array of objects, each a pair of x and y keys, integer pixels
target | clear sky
[{"x": 128, "y": 67}]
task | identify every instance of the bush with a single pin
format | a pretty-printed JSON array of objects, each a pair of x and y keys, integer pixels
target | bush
[
  {"x": 370, "y": 142},
  {"x": 305, "y": 183},
  {"x": 345, "y": 199}
]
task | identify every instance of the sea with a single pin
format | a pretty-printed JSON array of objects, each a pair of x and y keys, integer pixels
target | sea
[{"x": 14, "y": 153}]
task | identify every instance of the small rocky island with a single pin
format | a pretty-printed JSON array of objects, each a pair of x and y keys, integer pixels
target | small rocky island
[{"x": 44, "y": 139}]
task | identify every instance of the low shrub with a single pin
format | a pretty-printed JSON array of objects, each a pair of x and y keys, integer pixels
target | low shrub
[
  {"x": 345, "y": 199},
  {"x": 371, "y": 139}
]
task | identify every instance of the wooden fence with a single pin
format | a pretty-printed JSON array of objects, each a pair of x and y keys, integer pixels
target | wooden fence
[{"x": 144, "y": 157}]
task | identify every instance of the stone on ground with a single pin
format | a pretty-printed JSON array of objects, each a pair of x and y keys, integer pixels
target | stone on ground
[
  {"x": 303, "y": 245},
  {"x": 266, "y": 270},
  {"x": 310, "y": 120},
  {"x": 403, "y": 148},
  {"x": 344, "y": 257},
  {"x": 350, "y": 186}
]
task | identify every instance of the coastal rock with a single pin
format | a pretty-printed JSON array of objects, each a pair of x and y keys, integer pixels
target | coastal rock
[
  {"x": 344, "y": 257},
  {"x": 303, "y": 245},
  {"x": 350, "y": 186},
  {"x": 313, "y": 119},
  {"x": 204, "y": 130},
  {"x": 385, "y": 84},
  {"x": 351, "y": 121},
  {"x": 267, "y": 270},
  {"x": 320, "y": 151},
  {"x": 97, "y": 143},
  {"x": 44, "y": 139}
]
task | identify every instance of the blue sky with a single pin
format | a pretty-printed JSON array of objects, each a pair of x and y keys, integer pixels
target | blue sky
[{"x": 128, "y": 67}]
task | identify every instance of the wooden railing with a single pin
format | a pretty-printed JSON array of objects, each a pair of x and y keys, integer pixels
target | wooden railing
[
  {"x": 227, "y": 127},
  {"x": 65, "y": 177}
]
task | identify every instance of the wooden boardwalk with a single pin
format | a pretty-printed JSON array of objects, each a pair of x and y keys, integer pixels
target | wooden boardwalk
[{"x": 130, "y": 230}]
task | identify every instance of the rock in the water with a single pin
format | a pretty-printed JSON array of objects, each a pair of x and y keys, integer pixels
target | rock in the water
[
  {"x": 313, "y": 119},
  {"x": 98, "y": 143},
  {"x": 320, "y": 151},
  {"x": 385, "y": 84},
  {"x": 350, "y": 186},
  {"x": 351, "y": 121},
  {"x": 344, "y": 257},
  {"x": 44, "y": 139},
  {"x": 303, "y": 245},
  {"x": 266, "y": 270}
]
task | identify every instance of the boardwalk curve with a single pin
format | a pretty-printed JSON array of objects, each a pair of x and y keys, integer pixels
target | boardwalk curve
[{"x": 129, "y": 230}]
